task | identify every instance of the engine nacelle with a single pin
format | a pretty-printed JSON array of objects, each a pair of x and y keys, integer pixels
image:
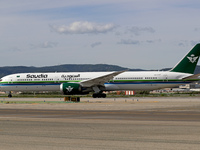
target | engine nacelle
[{"x": 71, "y": 89}]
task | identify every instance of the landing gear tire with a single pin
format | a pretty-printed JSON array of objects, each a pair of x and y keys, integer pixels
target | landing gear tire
[
  {"x": 103, "y": 95},
  {"x": 99, "y": 95}
]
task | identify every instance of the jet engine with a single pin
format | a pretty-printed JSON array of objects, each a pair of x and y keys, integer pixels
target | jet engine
[{"x": 71, "y": 89}]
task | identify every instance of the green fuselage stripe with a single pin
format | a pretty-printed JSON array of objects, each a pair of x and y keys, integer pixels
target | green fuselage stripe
[{"x": 111, "y": 81}]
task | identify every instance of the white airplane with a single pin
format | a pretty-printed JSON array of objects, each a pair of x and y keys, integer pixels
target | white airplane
[{"x": 74, "y": 83}]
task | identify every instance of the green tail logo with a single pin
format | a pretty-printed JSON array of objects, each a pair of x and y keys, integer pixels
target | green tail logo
[{"x": 189, "y": 62}]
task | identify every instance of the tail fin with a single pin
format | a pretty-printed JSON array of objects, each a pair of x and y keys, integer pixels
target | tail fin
[{"x": 189, "y": 62}]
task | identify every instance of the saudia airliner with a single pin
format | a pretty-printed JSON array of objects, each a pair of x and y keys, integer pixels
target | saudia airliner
[{"x": 75, "y": 83}]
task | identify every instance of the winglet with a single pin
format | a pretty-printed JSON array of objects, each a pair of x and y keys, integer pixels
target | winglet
[{"x": 189, "y": 62}]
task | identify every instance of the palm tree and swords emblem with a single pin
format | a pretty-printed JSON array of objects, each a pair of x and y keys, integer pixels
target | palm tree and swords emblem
[
  {"x": 69, "y": 88},
  {"x": 192, "y": 58}
]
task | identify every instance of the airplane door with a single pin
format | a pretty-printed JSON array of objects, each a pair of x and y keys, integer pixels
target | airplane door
[
  {"x": 57, "y": 79},
  {"x": 165, "y": 77},
  {"x": 11, "y": 81}
]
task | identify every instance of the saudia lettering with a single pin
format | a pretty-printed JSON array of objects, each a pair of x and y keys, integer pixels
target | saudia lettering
[{"x": 36, "y": 76}]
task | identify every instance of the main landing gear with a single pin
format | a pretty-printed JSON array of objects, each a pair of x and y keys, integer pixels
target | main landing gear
[{"x": 99, "y": 95}]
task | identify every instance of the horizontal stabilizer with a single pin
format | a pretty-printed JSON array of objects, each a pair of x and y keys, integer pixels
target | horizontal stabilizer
[{"x": 196, "y": 76}]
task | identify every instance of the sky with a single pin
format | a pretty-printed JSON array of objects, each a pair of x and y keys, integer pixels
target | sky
[{"x": 146, "y": 34}]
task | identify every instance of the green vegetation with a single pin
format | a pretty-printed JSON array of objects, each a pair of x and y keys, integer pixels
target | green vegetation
[
  {"x": 32, "y": 102},
  {"x": 109, "y": 95}
]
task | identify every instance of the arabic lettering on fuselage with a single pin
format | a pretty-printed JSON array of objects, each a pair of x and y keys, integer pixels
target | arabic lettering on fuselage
[{"x": 70, "y": 76}]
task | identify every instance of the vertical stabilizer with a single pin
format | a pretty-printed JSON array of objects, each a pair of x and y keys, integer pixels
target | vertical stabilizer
[{"x": 189, "y": 62}]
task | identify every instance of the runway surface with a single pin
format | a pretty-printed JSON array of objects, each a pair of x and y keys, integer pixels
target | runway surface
[{"x": 139, "y": 123}]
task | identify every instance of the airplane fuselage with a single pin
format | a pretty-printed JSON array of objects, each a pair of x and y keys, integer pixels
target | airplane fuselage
[{"x": 130, "y": 80}]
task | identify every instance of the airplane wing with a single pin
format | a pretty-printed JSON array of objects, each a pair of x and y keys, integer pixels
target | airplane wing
[
  {"x": 100, "y": 80},
  {"x": 196, "y": 76}
]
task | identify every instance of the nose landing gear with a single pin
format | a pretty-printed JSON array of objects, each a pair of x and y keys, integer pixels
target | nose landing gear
[{"x": 9, "y": 95}]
